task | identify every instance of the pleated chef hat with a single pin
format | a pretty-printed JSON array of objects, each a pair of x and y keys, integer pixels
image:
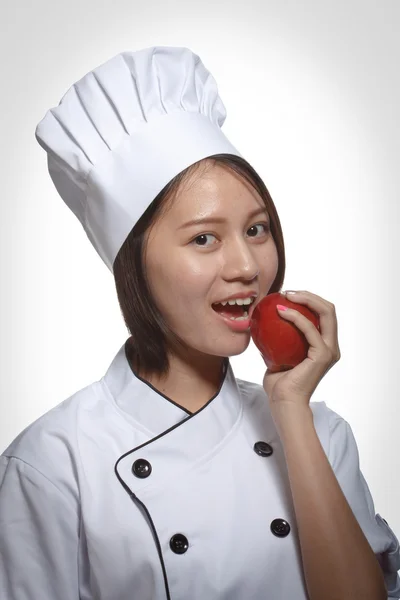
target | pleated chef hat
[{"x": 123, "y": 131}]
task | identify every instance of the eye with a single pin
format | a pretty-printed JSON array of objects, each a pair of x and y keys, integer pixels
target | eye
[{"x": 203, "y": 235}]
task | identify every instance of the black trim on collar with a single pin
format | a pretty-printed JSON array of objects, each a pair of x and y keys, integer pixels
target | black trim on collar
[{"x": 224, "y": 368}]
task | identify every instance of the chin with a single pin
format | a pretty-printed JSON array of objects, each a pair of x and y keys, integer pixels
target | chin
[{"x": 235, "y": 347}]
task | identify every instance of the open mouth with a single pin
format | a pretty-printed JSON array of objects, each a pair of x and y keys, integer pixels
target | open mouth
[{"x": 234, "y": 310}]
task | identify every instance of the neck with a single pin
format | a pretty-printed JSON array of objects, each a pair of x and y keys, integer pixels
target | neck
[{"x": 189, "y": 383}]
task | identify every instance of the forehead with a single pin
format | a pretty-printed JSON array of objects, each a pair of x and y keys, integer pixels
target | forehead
[{"x": 212, "y": 186}]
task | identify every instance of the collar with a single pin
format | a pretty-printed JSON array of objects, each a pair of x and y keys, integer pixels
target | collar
[{"x": 142, "y": 404}]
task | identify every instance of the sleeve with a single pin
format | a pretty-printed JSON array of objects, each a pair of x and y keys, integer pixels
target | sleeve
[
  {"x": 39, "y": 536},
  {"x": 344, "y": 458}
]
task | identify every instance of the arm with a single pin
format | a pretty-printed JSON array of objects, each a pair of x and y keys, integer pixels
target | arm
[
  {"x": 38, "y": 536},
  {"x": 337, "y": 559}
]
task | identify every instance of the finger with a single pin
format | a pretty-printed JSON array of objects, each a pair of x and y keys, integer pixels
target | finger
[
  {"x": 308, "y": 328},
  {"x": 305, "y": 293},
  {"x": 327, "y": 315}
]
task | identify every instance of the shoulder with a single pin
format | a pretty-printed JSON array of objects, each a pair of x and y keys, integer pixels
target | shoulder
[
  {"x": 49, "y": 445},
  {"x": 53, "y": 429},
  {"x": 332, "y": 429}
]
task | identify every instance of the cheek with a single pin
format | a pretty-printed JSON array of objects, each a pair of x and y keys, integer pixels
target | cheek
[
  {"x": 271, "y": 262},
  {"x": 179, "y": 287},
  {"x": 190, "y": 273}
]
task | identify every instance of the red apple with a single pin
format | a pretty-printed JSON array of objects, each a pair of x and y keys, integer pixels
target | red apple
[{"x": 281, "y": 343}]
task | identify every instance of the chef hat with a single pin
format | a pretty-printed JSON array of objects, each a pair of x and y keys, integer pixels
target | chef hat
[{"x": 123, "y": 131}]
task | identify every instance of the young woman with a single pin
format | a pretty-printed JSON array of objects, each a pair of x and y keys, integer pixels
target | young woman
[{"x": 170, "y": 478}]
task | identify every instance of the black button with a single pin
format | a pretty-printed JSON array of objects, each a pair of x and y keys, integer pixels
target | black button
[
  {"x": 141, "y": 468},
  {"x": 179, "y": 543},
  {"x": 263, "y": 449},
  {"x": 280, "y": 527}
]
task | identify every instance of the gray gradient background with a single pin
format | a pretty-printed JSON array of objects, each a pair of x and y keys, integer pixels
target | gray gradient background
[{"x": 312, "y": 95}]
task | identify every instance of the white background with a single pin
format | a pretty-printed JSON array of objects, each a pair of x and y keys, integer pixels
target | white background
[{"x": 312, "y": 95}]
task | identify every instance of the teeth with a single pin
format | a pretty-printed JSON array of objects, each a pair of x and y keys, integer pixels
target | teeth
[
  {"x": 239, "y": 301},
  {"x": 245, "y": 316}
]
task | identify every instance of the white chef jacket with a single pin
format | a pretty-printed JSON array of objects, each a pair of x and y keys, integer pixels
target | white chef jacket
[{"x": 118, "y": 493}]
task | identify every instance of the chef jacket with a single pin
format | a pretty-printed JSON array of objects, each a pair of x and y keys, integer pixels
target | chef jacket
[{"x": 118, "y": 493}]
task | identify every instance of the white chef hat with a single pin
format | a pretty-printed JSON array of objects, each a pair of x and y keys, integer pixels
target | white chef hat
[{"x": 123, "y": 131}]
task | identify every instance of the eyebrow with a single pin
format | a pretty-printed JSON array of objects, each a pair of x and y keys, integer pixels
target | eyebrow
[{"x": 258, "y": 211}]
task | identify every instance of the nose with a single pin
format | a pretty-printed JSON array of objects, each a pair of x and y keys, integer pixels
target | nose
[{"x": 240, "y": 261}]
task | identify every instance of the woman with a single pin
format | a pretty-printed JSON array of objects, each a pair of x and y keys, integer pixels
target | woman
[{"x": 169, "y": 477}]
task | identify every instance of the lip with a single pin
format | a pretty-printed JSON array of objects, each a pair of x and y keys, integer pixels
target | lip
[
  {"x": 239, "y": 326},
  {"x": 252, "y": 307}
]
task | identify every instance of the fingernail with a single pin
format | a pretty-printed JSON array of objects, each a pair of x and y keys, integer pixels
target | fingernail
[
  {"x": 289, "y": 292},
  {"x": 281, "y": 307}
]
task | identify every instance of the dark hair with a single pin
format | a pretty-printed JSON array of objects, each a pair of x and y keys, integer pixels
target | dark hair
[{"x": 151, "y": 337}]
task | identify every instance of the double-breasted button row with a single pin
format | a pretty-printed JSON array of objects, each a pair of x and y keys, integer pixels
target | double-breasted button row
[
  {"x": 142, "y": 468},
  {"x": 279, "y": 527},
  {"x": 178, "y": 543}
]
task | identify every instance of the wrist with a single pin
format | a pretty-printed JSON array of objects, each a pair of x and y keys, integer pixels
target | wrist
[{"x": 292, "y": 419}]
